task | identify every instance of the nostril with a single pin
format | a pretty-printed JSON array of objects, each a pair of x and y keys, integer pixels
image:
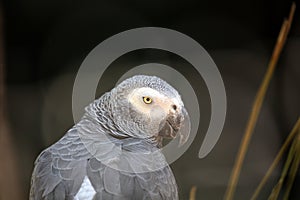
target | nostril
[{"x": 174, "y": 107}]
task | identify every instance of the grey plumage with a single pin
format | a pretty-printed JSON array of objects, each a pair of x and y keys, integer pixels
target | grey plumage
[{"x": 116, "y": 147}]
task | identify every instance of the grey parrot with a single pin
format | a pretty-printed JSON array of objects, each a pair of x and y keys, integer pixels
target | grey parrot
[{"x": 114, "y": 151}]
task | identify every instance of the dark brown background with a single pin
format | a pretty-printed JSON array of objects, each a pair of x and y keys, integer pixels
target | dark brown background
[{"x": 46, "y": 41}]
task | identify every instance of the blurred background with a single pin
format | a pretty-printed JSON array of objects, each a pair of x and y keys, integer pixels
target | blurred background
[{"x": 44, "y": 42}]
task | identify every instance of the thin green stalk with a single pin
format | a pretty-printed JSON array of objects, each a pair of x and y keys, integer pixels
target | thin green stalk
[
  {"x": 278, "y": 157},
  {"x": 294, "y": 169},
  {"x": 256, "y": 107},
  {"x": 275, "y": 193}
]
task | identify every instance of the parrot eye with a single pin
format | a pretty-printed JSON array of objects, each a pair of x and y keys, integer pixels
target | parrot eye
[{"x": 147, "y": 100}]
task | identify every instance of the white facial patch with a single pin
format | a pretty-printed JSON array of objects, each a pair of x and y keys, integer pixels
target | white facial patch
[
  {"x": 158, "y": 99},
  {"x": 155, "y": 109}
]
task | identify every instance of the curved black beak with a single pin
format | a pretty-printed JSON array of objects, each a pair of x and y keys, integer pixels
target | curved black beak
[{"x": 177, "y": 124}]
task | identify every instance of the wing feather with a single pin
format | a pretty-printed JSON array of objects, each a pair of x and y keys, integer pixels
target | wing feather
[
  {"x": 60, "y": 170},
  {"x": 56, "y": 173}
]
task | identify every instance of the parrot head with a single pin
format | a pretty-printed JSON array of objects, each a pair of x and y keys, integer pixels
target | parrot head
[{"x": 148, "y": 107}]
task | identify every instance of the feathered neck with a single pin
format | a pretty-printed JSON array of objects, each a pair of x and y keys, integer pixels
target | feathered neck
[{"x": 99, "y": 112}]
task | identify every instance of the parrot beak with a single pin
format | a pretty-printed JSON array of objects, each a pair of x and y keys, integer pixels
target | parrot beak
[
  {"x": 177, "y": 124},
  {"x": 185, "y": 128}
]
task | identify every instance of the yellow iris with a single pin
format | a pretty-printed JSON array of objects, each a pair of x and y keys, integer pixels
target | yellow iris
[{"x": 147, "y": 100}]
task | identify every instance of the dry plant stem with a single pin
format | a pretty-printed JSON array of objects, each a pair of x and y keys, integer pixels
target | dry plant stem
[
  {"x": 257, "y": 106},
  {"x": 275, "y": 192},
  {"x": 282, "y": 150},
  {"x": 294, "y": 168},
  {"x": 193, "y": 193}
]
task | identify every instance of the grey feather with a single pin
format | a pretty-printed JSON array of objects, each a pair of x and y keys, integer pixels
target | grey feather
[{"x": 100, "y": 138}]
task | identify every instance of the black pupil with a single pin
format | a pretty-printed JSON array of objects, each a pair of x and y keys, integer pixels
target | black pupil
[{"x": 148, "y": 99}]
